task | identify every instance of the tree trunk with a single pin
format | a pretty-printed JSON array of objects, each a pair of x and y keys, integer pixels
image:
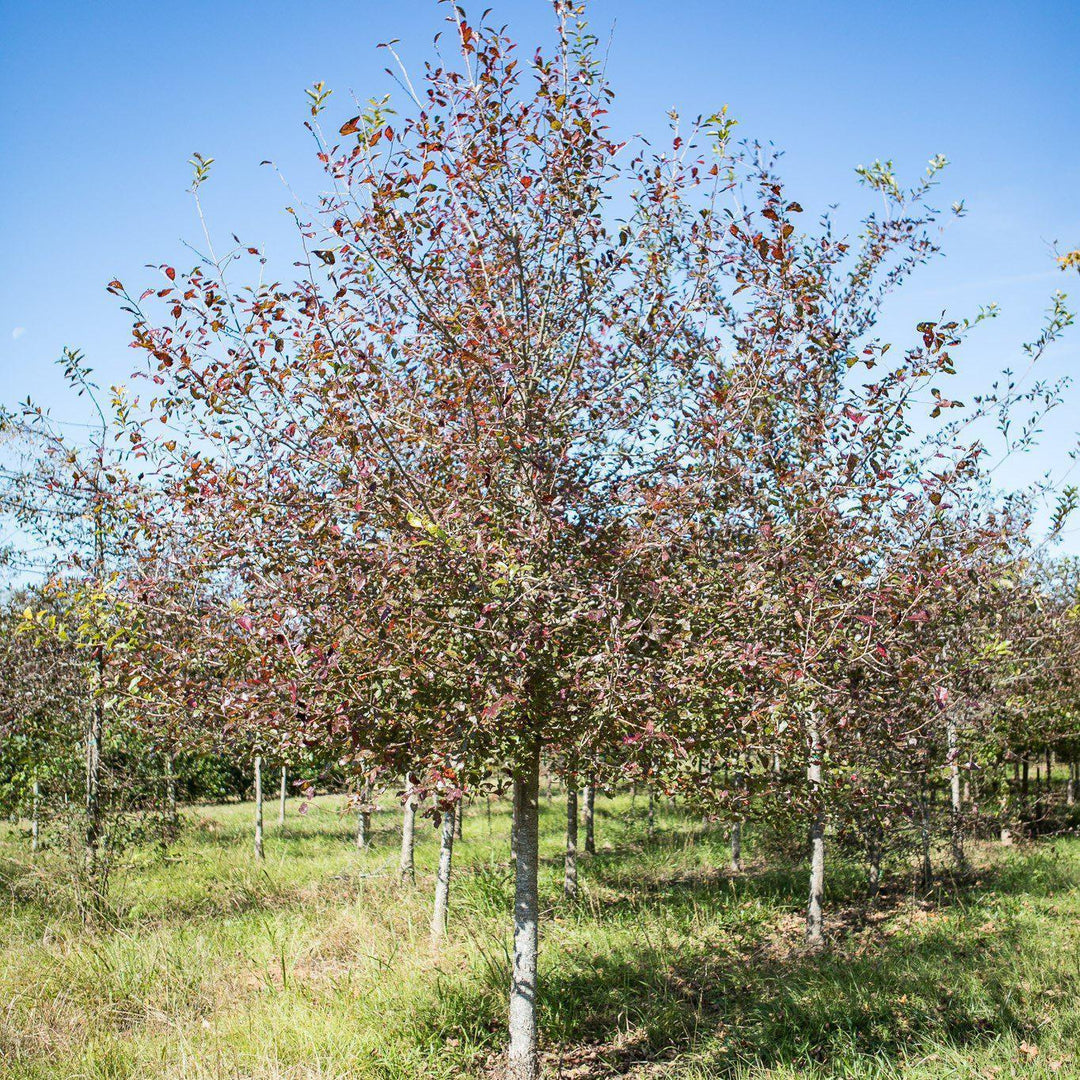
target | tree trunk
[
  {"x": 523, "y": 1060},
  {"x": 1025, "y": 787},
  {"x": 815, "y": 914},
  {"x": 651, "y": 826},
  {"x": 170, "y": 789},
  {"x": 284, "y": 795},
  {"x": 873, "y": 856},
  {"x": 570, "y": 862},
  {"x": 363, "y": 819},
  {"x": 94, "y": 737},
  {"x": 513, "y": 831},
  {"x": 442, "y": 880},
  {"x": 1070, "y": 784},
  {"x": 736, "y": 831},
  {"x": 926, "y": 874},
  {"x": 258, "y": 809},
  {"x": 590, "y": 818},
  {"x": 955, "y": 809},
  {"x": 35, "y": 841},
  {"x": 408, "y": 836}
]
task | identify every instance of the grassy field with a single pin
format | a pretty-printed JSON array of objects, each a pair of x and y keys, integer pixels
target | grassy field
[{"x": 317, "y": 966}]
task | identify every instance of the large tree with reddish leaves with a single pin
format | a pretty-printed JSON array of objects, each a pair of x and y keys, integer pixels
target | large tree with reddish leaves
[{"x": 423, "y": 471}]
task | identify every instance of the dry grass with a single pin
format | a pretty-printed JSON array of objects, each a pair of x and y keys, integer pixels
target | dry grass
[{"x": 316, "y": 965}]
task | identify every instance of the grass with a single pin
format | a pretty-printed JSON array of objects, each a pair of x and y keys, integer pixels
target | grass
[{"x": 316, "y": 965}]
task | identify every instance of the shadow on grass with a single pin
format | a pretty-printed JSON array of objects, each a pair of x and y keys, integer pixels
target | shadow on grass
[
  {"x": 906, "y": 972},
  {"x": 735, "y": 1007}
]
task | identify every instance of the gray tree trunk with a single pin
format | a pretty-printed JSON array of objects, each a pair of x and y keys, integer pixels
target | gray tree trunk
[
  {"x": 873, "y": 853},
  {"x": 258, "y": 809},
  {"x": 956, "y": 807},
  {"x": 94, "y": 737},
  {"x": 408, "y": 834},
  {"x": 35, "y": 841},
  {"x": 1070, "y": 785},
  {"x": 363, "y": 820},
  {"x": 1025, "y": 788},
  {"x": 570, "y": 887},
  {"x": 442, "y": 880},
  {"x": 284, "y": 795},
  {"x": 513, "y": 831},
  {"x": 736, "y": 846},
  {"x": 815, "y": 908},
  {"x": 590, "y": 818},
  {"x": 523, "y": 1061},
  {"x": 736, "y": 831},
  {"x": 170, "y": 789},
  {"x": 926, "y": 873}
]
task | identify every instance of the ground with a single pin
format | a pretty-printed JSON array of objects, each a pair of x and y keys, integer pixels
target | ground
[{"x": 316, "y": 964}]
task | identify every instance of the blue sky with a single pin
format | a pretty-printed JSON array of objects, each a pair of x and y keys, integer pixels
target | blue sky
[{"x": 102, "y": 104}]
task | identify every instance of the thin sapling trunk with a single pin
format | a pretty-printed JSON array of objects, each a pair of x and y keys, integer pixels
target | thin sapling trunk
[
  {"x": 590, "y": 818},
  {"x": 570, "y": 874},
  {"x": 259, "y": 854},
  {"x": 442, "y": 880}
]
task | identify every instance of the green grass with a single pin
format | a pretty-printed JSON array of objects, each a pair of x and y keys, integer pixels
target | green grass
[{"x": 316, "y": 965}]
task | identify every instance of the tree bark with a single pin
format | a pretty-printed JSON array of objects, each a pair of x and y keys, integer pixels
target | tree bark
[
  {"x": 408, "y": 836},
  {"x": 94, "y": 737},
  {"x": 1025, "y": 787},
  {"x": 1005, "y": 807},
  {"x": 736, "y": 831},
  {"x": 442, "y": 880},
  {"x": 523, "y": 1060},
  {"x": 570, "y": 885},
  {"x": 35, "y": 841},
  {"x": 170, "y": 789},
  {"x": 1070, "y": 785},
  {"x": 651, "y": 826},
  {"x": 873, "y": 856},
  {"x": 363, "y": 819},
  {"x": 258, "y": 809},
  {"x": 513, "y": 831},
  {"x": 284, "y": 795},
  {"x": 736, "y": 846},
  {"x": 926, "y": 873},
  {"x": 590, "y": 818},
  {"x": 815, "y": 917},
  {"x": 955, "y": 809}
]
